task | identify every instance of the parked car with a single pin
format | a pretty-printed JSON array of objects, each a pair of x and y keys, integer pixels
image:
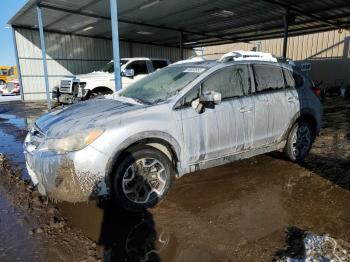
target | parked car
[
  {"x": 11, "y": 88},
  {"x": 7, "y": 74},
  {"x": 335, "y": 89},
  {"x": 180, "y": 119},
  {"x": 83, "y": 87}
]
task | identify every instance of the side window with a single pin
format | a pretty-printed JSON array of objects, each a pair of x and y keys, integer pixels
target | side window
[
  {"x": 299, "y": 81},
  {"x": 190, "y": 96},
  {"x": 157, "y": 64},
  {"x": 268, "y": 77},
  {"x": 140, "y": 67},
  {"x": 288, "y": 76},
  {"x": 233, "y": 81}
]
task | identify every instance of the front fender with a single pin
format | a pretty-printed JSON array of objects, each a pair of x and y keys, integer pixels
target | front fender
[{"x": 142, "y": 136}]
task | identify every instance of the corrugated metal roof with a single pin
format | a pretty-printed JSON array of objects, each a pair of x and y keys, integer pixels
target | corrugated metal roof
[{"x": 203, "y": 22}]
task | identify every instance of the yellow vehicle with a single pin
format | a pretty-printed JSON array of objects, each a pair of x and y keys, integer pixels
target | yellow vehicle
[{"x": 7, "y": 73}]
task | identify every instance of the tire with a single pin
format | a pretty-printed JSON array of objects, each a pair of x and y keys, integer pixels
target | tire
[
  {"x": 300, "y": 140},
  {"x": 131, "y": 190}
]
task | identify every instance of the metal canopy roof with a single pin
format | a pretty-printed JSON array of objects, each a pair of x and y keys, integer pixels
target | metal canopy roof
[{"x": 200, "y": 22}]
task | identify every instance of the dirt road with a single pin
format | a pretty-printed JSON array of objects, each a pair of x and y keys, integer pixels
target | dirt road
[{"x": 251, "y": 210}]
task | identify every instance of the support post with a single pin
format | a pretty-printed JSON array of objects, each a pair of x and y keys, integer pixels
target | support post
[
  {"x": 181, "y": 45},
  {"x": 115, "y": 41},
  {"x": 19, "y": 73},
  {"x": 43, "y": 53},
  {"x": 285, "y": 38}
]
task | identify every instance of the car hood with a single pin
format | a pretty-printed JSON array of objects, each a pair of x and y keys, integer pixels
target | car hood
[
  {"x": 84, "y": 115},
  {"x": 92, "y": 76}
]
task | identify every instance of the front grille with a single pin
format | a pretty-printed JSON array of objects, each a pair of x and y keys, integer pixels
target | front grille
[
  {"x": 66, "y": 86},
  {"x": 65, "y": 83}
]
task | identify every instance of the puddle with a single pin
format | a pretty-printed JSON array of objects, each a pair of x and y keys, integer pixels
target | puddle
[
  {"x": 15, "y": 241},
  {"x": 19, "y": 122},
  {"x": 12, "y": 133}
]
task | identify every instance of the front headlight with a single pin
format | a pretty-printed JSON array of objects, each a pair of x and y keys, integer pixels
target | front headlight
[{"x": 73, "y": 142}]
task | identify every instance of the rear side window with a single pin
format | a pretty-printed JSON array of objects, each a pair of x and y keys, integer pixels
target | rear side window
[
  {"x": 299, "y": 81},
  {"x": 288, "y": 76},
  {"x": 268, "y": 78},
  {"x": 140, "y": 67},
  {"x": 157, "y": 64},
  {"x": 233, "y": 81}
]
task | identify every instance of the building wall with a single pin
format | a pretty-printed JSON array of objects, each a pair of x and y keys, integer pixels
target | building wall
[
  {"x": 328, "y": 53},
  {"x": 71, "y": 55}
]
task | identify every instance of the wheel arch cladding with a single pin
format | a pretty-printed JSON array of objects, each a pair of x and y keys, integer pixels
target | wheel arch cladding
[
  {"x": 310, "y": 119},
  {"x": 158, "y": 140},
  {"x": 304, "y": 115},
  {"x": 101, "y": 89}
]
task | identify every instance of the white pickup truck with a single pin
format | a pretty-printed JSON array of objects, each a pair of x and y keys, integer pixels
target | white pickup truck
[{"x": 83, "y": 87}]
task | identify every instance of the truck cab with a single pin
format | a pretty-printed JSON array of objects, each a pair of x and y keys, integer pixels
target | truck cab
[{"x": 83, "y": 87}]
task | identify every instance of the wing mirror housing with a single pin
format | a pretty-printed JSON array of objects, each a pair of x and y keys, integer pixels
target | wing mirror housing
[
  {"x": 206, "y": 100},
  {"x": 128, "y": 73}
]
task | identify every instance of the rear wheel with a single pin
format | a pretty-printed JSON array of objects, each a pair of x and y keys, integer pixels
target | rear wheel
[
  {"x": 142, "y": 178},
  {"x": 299, "y": 141}
]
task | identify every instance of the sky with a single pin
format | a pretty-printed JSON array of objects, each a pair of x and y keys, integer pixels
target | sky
[{"x": 8, "y": 9}]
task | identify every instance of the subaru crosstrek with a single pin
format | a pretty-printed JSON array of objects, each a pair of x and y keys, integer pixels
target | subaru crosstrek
[{"x": 182, "y": 118}]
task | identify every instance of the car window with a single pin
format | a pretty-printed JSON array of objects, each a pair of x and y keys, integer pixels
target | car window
[
  {"x": 157, "y": 64},
  {"x": 190, "y": 96},
  {"x": 268, "y": 77},
  {"x": 233, "y": 81},
  {"x": 288, "y": 76},
  {"x": 162, "y": 84},
  {"x": 299, "y": 81},
  {"x": 140, "y": 67}
]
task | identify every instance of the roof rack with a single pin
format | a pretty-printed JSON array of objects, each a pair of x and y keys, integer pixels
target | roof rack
[{"x": 247, "y": 55}]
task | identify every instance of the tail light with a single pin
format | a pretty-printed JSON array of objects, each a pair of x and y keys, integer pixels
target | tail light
[{"x": 317, "y": 91}]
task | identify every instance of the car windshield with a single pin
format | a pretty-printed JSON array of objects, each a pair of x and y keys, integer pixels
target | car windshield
[
  {"x": 162, "y": 84},
  {"x": 110, "y": 66}
]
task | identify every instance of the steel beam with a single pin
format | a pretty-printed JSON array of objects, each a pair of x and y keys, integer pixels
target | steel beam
[
  {"x": 285, "y": 34},
  {"x": 181, "y": 45},
  {"x": 17, "y": 63},
  {"x": 43, "y": 54},
  {"x": 115, "y": 41}
]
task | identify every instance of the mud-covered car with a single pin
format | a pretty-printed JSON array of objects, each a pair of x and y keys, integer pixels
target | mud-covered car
[{"x": 180, "y": 119}]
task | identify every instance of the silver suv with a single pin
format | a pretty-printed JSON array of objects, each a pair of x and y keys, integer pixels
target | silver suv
[{"x": 180, "y": 119}]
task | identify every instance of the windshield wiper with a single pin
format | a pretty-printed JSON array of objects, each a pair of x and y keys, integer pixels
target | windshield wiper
[{"x": 138, "y": 100}]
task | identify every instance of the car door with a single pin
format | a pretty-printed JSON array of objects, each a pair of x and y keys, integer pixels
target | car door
[
  {"x": 271, "y": 112},
  {"x": 140, "y": 68},
  {"x": 293, "y": 84},
  {"x": 225, "y": 129}
]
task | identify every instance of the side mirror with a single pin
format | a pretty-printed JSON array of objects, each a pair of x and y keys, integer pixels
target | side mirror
[
  {"x": 128, "y": 73},
  {"x": 210, "y": 99},
  {"x": 206, "y": 100}
]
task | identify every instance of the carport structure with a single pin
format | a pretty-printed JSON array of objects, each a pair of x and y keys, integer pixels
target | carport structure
[{"x": 181, "y": 24}]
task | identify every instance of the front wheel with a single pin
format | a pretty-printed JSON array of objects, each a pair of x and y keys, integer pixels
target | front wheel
[
  {"x": 142, "y": 178},
  {"x": 299, "y": 141}
]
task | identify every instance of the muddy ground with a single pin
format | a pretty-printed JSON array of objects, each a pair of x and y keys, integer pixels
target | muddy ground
[{"x": 252, "y": 210}]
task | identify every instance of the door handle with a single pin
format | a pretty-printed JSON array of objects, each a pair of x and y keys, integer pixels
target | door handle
[
  {"x": 246, "y": 109},
  {"x": 292, "y": 99}
]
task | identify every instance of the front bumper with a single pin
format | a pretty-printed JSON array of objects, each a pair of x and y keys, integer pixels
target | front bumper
[{"x": 73, "y": 177}]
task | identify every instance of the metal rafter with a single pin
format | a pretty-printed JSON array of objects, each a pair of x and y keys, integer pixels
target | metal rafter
[{"x": 304, "y": 13}]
